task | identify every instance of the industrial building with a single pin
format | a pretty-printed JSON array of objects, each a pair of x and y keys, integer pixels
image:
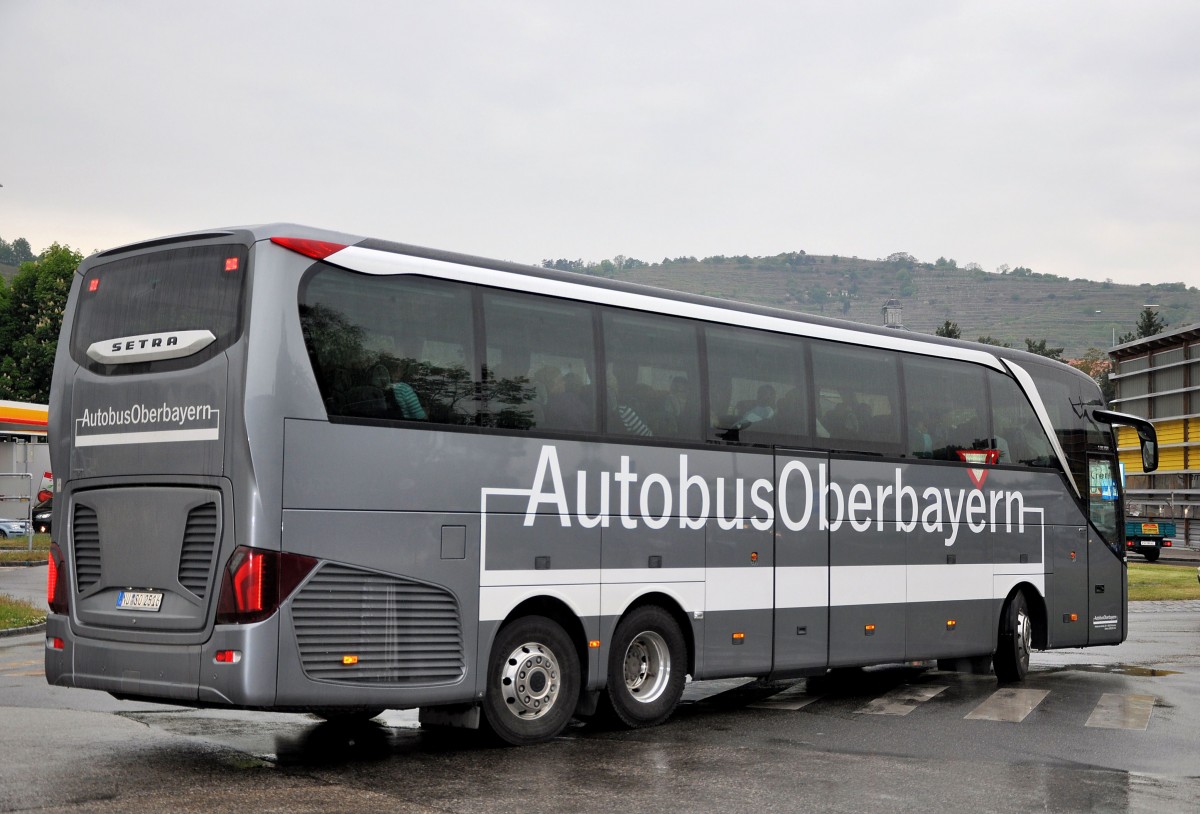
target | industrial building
[{"x": 1159, "y": 378}]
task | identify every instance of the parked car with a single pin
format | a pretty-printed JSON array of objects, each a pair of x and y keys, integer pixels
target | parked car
[
  {"x": 13, "y": 528},
  {"x": 41, "y": 516}
]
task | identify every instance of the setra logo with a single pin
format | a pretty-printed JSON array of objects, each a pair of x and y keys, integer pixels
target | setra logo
[{"x": 149, "y": 347}]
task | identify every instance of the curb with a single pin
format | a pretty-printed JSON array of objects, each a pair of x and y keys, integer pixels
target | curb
[
  {"x": 22, "y": 564},
  {"x": 22, "y": 631}
]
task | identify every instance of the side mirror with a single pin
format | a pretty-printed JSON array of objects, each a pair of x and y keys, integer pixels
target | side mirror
[
  {"x": 1149, "y": 442},
  {"x": 1147, "y": 437}
]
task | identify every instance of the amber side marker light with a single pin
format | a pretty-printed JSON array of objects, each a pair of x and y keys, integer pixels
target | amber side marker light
[
  {"x": 869, "y": 630},
  {"x": 593, "y": 644},
  {"x": 349, "y": 660},
  {"x": 739, "y": 638},
  {"x": 951, "y": 624}
]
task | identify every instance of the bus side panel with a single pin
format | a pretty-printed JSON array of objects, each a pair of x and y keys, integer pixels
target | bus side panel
[
  {"x": 401, "y": 635},
  {"x": 868, "y": 593},
  {"x": 801, "y": 569},
  {"x": 738, "y": 599},
  {"x": 1067, "y": 586},
  {"x": 1107, "y": 576}
]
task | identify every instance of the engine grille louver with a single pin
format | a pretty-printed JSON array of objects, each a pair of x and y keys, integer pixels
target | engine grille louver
[
  {"x": 199, "y": 544},
  {"x": 85, "y": 534},
  {"x": 402, "y": 632}
]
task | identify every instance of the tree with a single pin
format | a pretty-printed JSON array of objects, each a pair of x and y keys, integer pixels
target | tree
[
  {"x": 991, "y": 340},
  {"x": 15, "y": 253},
  {"x": 31, "y": 314},
  {"x": 1040, "y": 349},
  {"x": 1150, "y": 323},
  {"x": 1097, "y": 364},
  {"x": 949, "y": 330}
]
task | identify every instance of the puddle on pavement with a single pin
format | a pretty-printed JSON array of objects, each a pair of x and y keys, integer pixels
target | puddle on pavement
[{"x": 1115, "y": 669}]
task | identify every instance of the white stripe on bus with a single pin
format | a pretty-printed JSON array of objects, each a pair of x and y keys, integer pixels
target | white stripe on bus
[
  {"x": 383, "y": 263},
  {"x": 609, "y": 592},
  {"x": 153, "y": 437}
]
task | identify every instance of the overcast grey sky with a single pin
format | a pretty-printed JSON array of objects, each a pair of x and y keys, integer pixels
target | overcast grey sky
[{"x": 1063, "y": 136}]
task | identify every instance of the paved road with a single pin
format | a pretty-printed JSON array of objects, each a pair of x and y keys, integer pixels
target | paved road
[{"x": 1101, "y": 729}]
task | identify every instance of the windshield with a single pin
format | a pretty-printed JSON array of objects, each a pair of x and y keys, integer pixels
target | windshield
[
  {"x": 186, "y": 289},
  {"x": 1068, "y": 399}
]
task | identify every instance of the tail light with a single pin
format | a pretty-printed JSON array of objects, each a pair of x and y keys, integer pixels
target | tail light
[
  {"x": 316, "y": 249},
  {"x": 256, "y": 582},
  {"x": 56, "y": 589}
]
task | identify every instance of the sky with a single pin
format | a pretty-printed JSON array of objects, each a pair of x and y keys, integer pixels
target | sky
[{"x": 1063, "y": 136}]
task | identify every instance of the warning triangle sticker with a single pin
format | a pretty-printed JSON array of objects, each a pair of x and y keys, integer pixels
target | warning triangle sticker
[{"x": 979, "y": 456}]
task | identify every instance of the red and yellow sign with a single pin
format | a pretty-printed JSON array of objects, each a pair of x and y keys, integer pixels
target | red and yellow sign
[{"x": 23, "y": 418}]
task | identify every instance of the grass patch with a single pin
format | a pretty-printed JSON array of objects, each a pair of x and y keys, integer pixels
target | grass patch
[
  {"x": 16, "y": 549},
  {"x": 19, "y": 613},
  {"x": 1148, "y": 582}
]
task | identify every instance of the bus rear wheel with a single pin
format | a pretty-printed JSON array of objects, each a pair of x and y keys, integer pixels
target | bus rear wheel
[
  {"x": 533, "y": 682},
  {"x": 1015, "y": 642},
  {"x": 647, "y": 664}
]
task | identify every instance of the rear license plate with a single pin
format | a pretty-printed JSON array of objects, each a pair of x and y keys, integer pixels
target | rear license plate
[
  {"x": 1147, "y": 543},
  {"x": 139, "y": 600}
]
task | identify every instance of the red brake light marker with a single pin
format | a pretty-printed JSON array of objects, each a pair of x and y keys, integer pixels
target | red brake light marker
[
  {"x": 316, "y": 249},
  {"x": 94, "y": 284},
  {"x": 231, "y": 264}
]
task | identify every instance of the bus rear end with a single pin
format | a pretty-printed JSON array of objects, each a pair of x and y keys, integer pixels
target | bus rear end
[{"x": 156, "y": 568}]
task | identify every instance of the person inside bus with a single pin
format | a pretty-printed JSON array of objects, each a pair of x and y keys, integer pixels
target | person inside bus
[
  {"x": 919, "y": 437},
  {"x": 623, "y": 395},
  {"x": 760, "y": 409},
  {"x": 848, "y": 419},
  {"x": 404, "y": 397}
]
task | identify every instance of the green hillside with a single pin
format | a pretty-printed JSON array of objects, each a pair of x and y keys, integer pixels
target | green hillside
[
  {"x": 8, "y": 272},
  {"x": 1073, "y": 314}
]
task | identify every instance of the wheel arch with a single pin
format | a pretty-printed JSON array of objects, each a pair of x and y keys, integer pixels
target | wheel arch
[
  {"x": 672, "y": 606},
  {"x": 1036, "y": 605}
]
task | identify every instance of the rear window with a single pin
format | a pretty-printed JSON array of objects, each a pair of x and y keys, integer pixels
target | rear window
[{"x": 196, "y": 288}]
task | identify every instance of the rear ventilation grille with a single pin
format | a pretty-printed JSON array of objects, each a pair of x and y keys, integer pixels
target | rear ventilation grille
[
  {"x": 402, "y": 632},
  {"x": 199, "y": 543},
  {"x": 85, "y": 535}
]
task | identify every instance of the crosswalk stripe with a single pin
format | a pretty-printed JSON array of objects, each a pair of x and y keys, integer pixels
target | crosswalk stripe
[
  {"x": 901, "y": 700},
  {"x": 1115, "y": 711},
  {"x": 1008, "y": 704},
  {"x": 793, "y": 699}
]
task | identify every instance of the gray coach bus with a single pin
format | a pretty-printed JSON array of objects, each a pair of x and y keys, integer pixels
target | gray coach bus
[{"x": 302, "y": 470}]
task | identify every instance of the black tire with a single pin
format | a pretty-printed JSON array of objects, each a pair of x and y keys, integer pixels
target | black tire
[
  {"x": 647, "y": 666},
  {"x": 1015, "y": 641},
  {"x": 1151, "y": 554},
  {"x": 3, "y": 535},
  {"x": 533, "y": 681}
]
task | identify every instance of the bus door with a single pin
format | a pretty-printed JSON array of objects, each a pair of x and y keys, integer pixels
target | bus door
[
  {"x": 801, "y": 565},
  {"x": 1106, "y": 565}
]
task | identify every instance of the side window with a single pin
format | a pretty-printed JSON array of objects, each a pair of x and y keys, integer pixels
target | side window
[
  {"x": 1019, "y": 434},
  {"x": 540, "y": 367},
  {"x": 939, "y": 426},
  {"x": 397, "y": 348},
  {"x": 857, "y": 391},
  {"x": 757, "y": 389},
  {"x": 653, "y": 376}
]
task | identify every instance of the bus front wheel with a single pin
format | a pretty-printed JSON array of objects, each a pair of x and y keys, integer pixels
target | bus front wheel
[
  {"x": 647, "y": 664},
  {"x": 533, "y": 681},
  {"x": 1015, "y": 642}
]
